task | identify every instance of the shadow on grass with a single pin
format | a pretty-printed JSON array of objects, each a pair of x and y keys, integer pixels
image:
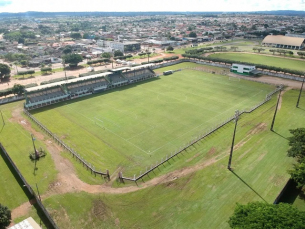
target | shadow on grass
[
  {"x": 280, "y": 135},
  {"x": 248, "y": 186},
  {"x": 291, "y": 193}
]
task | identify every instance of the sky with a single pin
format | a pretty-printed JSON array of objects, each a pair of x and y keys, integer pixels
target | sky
[{"x": 148, "y": 5}]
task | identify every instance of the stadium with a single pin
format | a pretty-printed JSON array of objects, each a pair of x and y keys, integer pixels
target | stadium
[{"x": 167, "y": 128}]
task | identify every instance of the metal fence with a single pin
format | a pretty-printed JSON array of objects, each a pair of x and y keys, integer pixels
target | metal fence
[
  {"x": 192, "y": 142},
  {"x": 69, "y": 149},
  {"x": 11, "y": 99},
  {"x": 29, "y": 188}
]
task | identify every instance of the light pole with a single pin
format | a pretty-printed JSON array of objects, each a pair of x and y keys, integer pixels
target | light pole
[
  {"x": 64, "y": 64},
  {"x": 277, "y": 104},
  {"x": 233, "y": 139},
  {"x": 300, "y": 92}
]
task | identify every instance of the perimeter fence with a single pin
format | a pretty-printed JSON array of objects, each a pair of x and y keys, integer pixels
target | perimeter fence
[
  {"x": 194, "y": 141},
  {"x": 28, "y": 187},
  {"x": 74, "y": 154}
]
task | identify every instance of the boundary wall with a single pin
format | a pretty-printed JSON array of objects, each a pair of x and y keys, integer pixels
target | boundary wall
[{"x": 29, "y": 188}]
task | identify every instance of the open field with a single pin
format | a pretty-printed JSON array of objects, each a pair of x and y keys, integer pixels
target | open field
[
  {"x": 132, "y": 127},
  {"x": 260, "y": 59},
  {"x": 204, "y": 195},
  {"x": 16, "y": 139}
]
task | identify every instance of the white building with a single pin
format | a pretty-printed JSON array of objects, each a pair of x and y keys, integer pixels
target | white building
[{"x": 242, "y": 69}]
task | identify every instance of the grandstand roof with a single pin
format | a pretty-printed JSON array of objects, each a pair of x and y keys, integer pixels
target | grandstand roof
[
  {"x": 120, "y": 69},
  {"x": 79, "y": 79},
  {"x": 283, "y": 40},
  {"x": 142, "y": 66}
]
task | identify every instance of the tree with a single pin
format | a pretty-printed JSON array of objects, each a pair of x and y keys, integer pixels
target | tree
[
  {"x": 18, "y": 89},
  {"x": 5, "y": 217},
  {"x": 264, "y": 215},
  {"x": 72, "y": 59},
  {"x": 106, "y": 55},
  {"x": 254, "y": 49},
  {"x": 45, "y": 69},
  {"x": 297, "y": 144},
  {"x": 298, "y": 173},
  {"x": 24, "y": 62},
  {"x": 272, "y": 50},
  {"x": 234, "y": 48},
  {"x": 301, "y": 54},
  {"x": 170, "y": 49},
  {"x": 76, "y": 35},
  {"x": 4, "y": 70},
  {"x": 67, "y": 49},
  {"x": 192, "y": 34},
  {"x": 260, "y": 49},
  {"x": 118, "y": 53}
]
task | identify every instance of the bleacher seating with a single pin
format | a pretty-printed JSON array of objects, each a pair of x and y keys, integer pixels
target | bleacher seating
[
  {"x": 117, "y": 79},
  {"x": 44, "y": 95},
  {"x": 90, "y": 85},
  {"x": 138, "y": 74}
]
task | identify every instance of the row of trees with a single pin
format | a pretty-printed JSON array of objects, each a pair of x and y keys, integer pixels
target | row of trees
[
  {"x": 281, "y": 51},
  {"x": 227, "y": 61},
  {"x": 258, "y": 49},
  {"x": 98, "y": 61}
]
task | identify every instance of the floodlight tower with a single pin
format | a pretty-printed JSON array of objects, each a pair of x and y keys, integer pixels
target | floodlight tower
[
  {"x": 233, "y": 139},
  {"x": 277, "y": 105},
  {"x": 300, "y": 91},
  {"x": 35, "y": 151}
]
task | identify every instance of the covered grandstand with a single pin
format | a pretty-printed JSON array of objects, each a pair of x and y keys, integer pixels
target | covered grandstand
[
  {"x": 44, "y": 95},
  {"x": 279, "y": 41}
]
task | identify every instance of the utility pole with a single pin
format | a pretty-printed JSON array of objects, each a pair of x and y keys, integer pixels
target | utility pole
[
  {"x": 35, "y": 151},
  {"x": 277, "y": 104},
  {"x": 233, "y": 139},
  {"x": 300, "y": 92}
]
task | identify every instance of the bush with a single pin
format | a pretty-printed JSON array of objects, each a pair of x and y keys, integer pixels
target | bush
[
  {"x": 46, "y": 69},
  {"x": 26, "y": 72},
  {"x": 6, "y": 92}
]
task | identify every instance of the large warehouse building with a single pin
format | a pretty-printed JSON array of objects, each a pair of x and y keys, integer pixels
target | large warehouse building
[{"x": 279, "y": 41}]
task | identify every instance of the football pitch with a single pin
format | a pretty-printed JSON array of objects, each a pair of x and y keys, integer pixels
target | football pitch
[{"x": 132, "y": 127}]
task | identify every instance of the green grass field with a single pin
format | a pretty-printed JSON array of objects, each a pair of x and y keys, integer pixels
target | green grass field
[
  {"x": 260, "y": 59},
  {"x": 204, "y": 198},
  {"x": 17, "y": 142},
  {"x": 132, "y": 127}
]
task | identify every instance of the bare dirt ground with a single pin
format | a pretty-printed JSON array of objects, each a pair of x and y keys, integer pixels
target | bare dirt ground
[{"x": 271, "y": 80}]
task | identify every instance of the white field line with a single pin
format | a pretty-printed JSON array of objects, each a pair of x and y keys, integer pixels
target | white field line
[
  {"x": 122, "y": 138},
  {"x": 14, "y": 125},
  {"x": 158, "y": 93},
  {"x": 184, "y": 133},
  {"x": 110, "y": 131},
  {"x": 141, "y": 133},
  {"x": 106, "y": 120}
]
